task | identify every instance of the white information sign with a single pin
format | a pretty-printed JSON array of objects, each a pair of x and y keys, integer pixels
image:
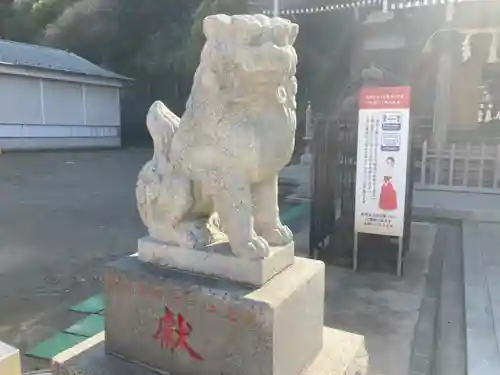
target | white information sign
[{"x": 382, "y": 161}]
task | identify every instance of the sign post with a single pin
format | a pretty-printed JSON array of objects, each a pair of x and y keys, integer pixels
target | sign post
[
  {"x": 382, "y": 165},
  {"x": 276, "y": 8}
]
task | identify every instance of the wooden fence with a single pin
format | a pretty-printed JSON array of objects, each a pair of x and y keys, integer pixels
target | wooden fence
[{"x": 463, "y": 167}]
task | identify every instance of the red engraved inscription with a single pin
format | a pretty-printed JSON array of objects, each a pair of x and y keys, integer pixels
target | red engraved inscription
[
  {"x": 173, "y": 333},
  {"x": 231, "y": 316},
  {"x": 157, "y": 292}
]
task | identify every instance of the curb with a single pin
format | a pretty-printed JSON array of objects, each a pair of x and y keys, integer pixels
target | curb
[
  {"x": 483, "y": 216},
  {"x": 74, "y": 351},
  {"x": 424, "y": 339},
  {"x": 482, "y": 356}
]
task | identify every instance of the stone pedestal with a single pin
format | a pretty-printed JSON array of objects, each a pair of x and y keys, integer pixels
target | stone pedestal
[
  {"x": 10, "y": 363},
  {"x": 217, "y": 260},
  {"x": 228, "y": 328},
  {"x": 163, "y": 320}
]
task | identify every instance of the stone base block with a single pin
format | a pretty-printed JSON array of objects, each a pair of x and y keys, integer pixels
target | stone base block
[
  {"x": 343, "y": 353},
  {"x": 10, "y": 363},
  {"x": 189, "y": 324},
  {"x": 217, "y": 260}
]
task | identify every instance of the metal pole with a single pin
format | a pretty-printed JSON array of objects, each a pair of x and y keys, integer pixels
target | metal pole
[
  {"x": 355, "y": 252},
  {"x": 399, "y": 270},
  {"x": 276, "y": 8},
  {"x": 385, "y": 6}
]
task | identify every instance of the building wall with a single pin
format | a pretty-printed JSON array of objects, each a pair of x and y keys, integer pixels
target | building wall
[
  {"x": 46, "y": 113},
  {"x": 19, "y": 100}
]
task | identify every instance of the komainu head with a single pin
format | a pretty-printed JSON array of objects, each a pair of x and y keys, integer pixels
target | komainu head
[{"x": 249, "y": 47}]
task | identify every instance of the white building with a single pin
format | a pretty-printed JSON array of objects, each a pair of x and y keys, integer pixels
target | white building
[{"x": 51, "y": 99}]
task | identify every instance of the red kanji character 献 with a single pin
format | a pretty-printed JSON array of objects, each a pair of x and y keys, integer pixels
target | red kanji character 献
[
  {"x": 166, "y": 329},
  {"x": 169, "y": 324},
  {"x": 183, "y": 331}
]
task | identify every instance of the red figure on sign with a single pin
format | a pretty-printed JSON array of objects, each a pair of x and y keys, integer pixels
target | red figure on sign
[
  {"x": 388, "y": 197},
  {"x": 388, "y": 200},
  {"x": 173, "y": 332}
]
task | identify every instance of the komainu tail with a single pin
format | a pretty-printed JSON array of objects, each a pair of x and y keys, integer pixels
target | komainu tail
[{"x": 162, "y": 124}]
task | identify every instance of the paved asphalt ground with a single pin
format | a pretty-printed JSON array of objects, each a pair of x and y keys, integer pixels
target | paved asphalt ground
[{"x": 62, "y": 216}]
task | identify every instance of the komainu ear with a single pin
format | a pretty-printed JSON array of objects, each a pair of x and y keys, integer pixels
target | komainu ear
[
  {"x": 294, "y": 31},
  {"x": 267, "y": 32},
  {"x": 263, "y": 19},
  {"x": 216, "y": 27},
  {"x": 281, "y": 31},
  {"x": 246, "y": 28}
]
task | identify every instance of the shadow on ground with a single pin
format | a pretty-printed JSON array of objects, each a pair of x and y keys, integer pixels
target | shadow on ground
[{"x": 381, "y": 307}]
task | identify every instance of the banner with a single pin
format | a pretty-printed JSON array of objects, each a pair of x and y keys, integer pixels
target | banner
[{"x": 382, "y": 160}]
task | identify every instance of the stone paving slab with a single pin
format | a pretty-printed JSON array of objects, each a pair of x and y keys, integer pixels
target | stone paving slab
[
  {"x": 456, "y": 205},
  {"x": 482, "y": 298},
  {"x": 450, "y": 338},
  {"x": 385, "y": 309},
  {"x": 423, "y": 346}
]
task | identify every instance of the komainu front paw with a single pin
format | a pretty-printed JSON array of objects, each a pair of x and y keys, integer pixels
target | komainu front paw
[
  {"x": 279, "y": 236},
  {"x": 257, "y": 248}
]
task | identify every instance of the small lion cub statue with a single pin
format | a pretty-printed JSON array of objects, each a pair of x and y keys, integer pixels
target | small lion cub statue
[{"x": 215, "y": 170}]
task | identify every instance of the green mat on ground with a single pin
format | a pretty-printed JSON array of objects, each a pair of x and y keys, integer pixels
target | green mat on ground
[
  {"x": 93, "y": 305},
  {"x": 54, "y": 345},
  {"x": 89, "y": 326},
  {"x": 292, "y": 213}
]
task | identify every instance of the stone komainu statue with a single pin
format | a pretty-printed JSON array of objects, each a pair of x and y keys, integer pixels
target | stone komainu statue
[{"x": 215, "y": 169}]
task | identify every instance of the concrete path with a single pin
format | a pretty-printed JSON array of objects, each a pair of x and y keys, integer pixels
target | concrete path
[
  {"x": 456, "y": 205},
  {"x": 381, "y": 307},
  {"x": 64, "y": 215},
  {"x": 482, "y": 296},
  {"x": 449, "y": 351},
  {"x": 450, "y": 199},
  {"x": 480, "y": 288}
]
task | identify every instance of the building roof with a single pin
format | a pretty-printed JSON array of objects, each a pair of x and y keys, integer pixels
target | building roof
[{"x": 45, "y": 58}]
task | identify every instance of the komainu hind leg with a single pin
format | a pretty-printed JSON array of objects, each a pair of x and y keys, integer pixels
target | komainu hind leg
[{"x": 177, "y": 224}]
